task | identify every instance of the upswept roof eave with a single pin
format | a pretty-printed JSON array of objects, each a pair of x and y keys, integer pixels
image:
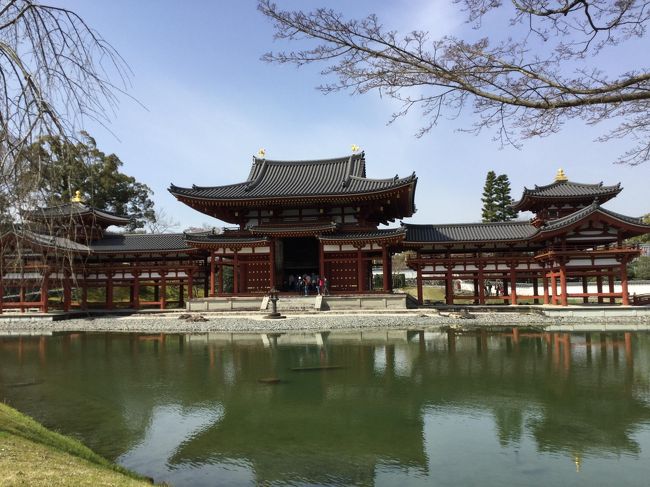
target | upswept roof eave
[
  {"x": 579, "y": 216},
  {"x": 400, "y": 183},
  {"x": 480, "y": 239},
  {"x": 529, "y": 194}
]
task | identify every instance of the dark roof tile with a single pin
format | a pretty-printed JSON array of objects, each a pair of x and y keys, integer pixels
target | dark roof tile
[
  {"x": 140, "y": 242},
  {"x": 269, "y": 179},
  {"x": 470, "y": 232}
]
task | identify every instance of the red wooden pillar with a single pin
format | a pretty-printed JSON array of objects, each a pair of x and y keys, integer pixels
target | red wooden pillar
[
  {"x": 385, "y": 267},
  {"x": 545, "y": 284},
  {"x": 212, "y": 276},
  {"x": 475, "y": 292},
  {"x": 136, "y": 290},
  {"x": 585, "y": 289},
  {"x": 553, "y": 289},
  {"x": 599, "y": 287},
  {"x": 109, "y": 290},
  {"x": 163, "y": 290},
  {"x": 536, "y": 290},
  {"x": 625, "y": 297},
  {"x": 610, "y": 281},
  {"x": 67, "y": 294},
  {"x": 235, "y": 274},
  {"x": 513, "y": 284},
  {"x": 84, "y": 292},
  {"x": 360, "y": 273},
  {"x": 45, "y": 292},
  {"x": 481, "y": 286},
  {"x": 563, "y": 290},
  {"x": 449, "y": 288},
  {"x": 190, "y": 285},
  {"x": 321, "y": 259},
  {"x": 419, "y": 282},
  {"x": 272, "y": 264},
  {"x": 220, "y": 283},
  {"x": 21, "y": 298}
]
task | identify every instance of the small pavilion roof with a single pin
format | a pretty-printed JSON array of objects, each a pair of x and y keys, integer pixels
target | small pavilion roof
[
  {"x": 78, "y": 209},
  {"x": 276, "y": 179},
  {"x": 587, "y": 211},
  {"x": 469, "y": 232},
  {"x": 565, "y": 190}
]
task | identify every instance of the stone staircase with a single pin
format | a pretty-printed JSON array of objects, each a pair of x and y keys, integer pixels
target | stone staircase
[{"x": 294, "y": 303}]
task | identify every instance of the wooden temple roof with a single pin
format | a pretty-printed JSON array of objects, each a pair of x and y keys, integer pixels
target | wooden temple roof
[
  {"x": 341, "y": 176},
  {"x": 78, "y": 209},
  {"x": 140, "y": 242},
  {"x": 565, "y": 190},
  {"x": 514, "y": 231},
  {"x": 582, "y": 214},
  {"x": 379, "y": 235},
  {"x": 469, "y": 232}
]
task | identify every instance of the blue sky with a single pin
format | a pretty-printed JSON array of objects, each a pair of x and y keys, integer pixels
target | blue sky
[{"x": 211, "y": 104}]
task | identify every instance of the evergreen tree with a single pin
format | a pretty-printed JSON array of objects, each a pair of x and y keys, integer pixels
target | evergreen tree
[
  {"x": 63, "y": 168},
  {"x": 489, "y": 213},
  {"x": 503, "y": 200}
]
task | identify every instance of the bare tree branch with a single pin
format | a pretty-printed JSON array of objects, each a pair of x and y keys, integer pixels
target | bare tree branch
[{"x": 510, "y": 89}]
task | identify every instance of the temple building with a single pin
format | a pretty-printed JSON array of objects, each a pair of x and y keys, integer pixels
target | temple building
[
  {"x": 322, "y": 218},
  {"x": 296, "y": 218}
]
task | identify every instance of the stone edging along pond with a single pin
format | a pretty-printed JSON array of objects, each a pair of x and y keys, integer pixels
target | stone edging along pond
[{"x": 223, "y": 322}]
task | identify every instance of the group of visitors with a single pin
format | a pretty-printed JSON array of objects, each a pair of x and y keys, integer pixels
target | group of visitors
[
  {"x": 498, "y": 288},
  {"x": 309, "y": 284}
]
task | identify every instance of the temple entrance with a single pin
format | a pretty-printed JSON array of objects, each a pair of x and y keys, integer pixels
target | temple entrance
[{"x": 297, "y": 257}]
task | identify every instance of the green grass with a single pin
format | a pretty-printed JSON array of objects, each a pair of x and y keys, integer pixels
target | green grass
[{"x": 32, "y": 455}]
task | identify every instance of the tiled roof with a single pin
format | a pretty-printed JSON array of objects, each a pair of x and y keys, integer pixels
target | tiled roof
[
  {"x": 470, "y": 232},
  {"x": 586, "y": 211},
  {"x": 77, "y": 209},
  {"x": 569, "y": 190},
  {"x": 140, "y": 242},
  {"x": 293, "y": 228},
  {"x": 54, "y": 242},
  {"x": 267, "y": 179},
  {"x": 368, "y": 235},
  {"x": 218, "y": 238}
]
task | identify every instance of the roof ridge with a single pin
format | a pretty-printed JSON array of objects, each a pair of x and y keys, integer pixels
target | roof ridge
[{"x": 331, "y": 160}]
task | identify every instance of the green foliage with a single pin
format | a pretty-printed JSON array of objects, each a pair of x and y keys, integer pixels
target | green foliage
[
  {"x": 489, "y": 213},
  {"x": 504, "y": 212},
  {"x": 399, "y": 281},
  {"x": 64, "y": 168},
  {"x": 640, "y": 269},
  {"x": 642, "y": 238},
  {"x": 496, "y": 199}
]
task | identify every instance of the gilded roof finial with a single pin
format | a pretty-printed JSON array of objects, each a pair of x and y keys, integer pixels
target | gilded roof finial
[
  {"x": 77, "y": 197},
  {"x": 355, "y": 148},
  {"x": 261, "y": 153},
  {"x": 560, "y": 176}
]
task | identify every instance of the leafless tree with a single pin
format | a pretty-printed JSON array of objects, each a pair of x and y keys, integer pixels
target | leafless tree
[
  {"x": 56, "y": 73},
  {"x": 521, "y": 87},
  {"x": 162, "y": 223}
]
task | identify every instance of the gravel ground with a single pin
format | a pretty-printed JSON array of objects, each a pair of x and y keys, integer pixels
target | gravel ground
[{"x": 171, "y": 323}]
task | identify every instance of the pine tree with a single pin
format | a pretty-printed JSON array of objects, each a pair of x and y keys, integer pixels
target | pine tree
[
  {"x": 503, "y": 200},
  {"x": 489, "y": 213}
]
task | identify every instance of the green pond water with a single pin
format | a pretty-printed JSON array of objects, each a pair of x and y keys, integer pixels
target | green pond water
[{"x": 403, "y": 408}]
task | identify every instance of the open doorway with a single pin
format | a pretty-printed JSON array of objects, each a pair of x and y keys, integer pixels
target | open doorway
[{"x": 299, "y": 258}]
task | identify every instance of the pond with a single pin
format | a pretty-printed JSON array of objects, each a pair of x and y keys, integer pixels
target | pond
[{"x": 346, "y": 408}]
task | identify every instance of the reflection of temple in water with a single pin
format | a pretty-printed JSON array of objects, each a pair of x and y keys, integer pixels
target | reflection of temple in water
[{"x": 580, "y": 395}]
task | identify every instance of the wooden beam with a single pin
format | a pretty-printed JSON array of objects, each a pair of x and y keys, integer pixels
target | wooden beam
[{"x": 385, "y": 267}]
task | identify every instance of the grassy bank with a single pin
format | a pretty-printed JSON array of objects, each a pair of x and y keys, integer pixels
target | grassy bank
[{"x": 32, "y": 455}]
